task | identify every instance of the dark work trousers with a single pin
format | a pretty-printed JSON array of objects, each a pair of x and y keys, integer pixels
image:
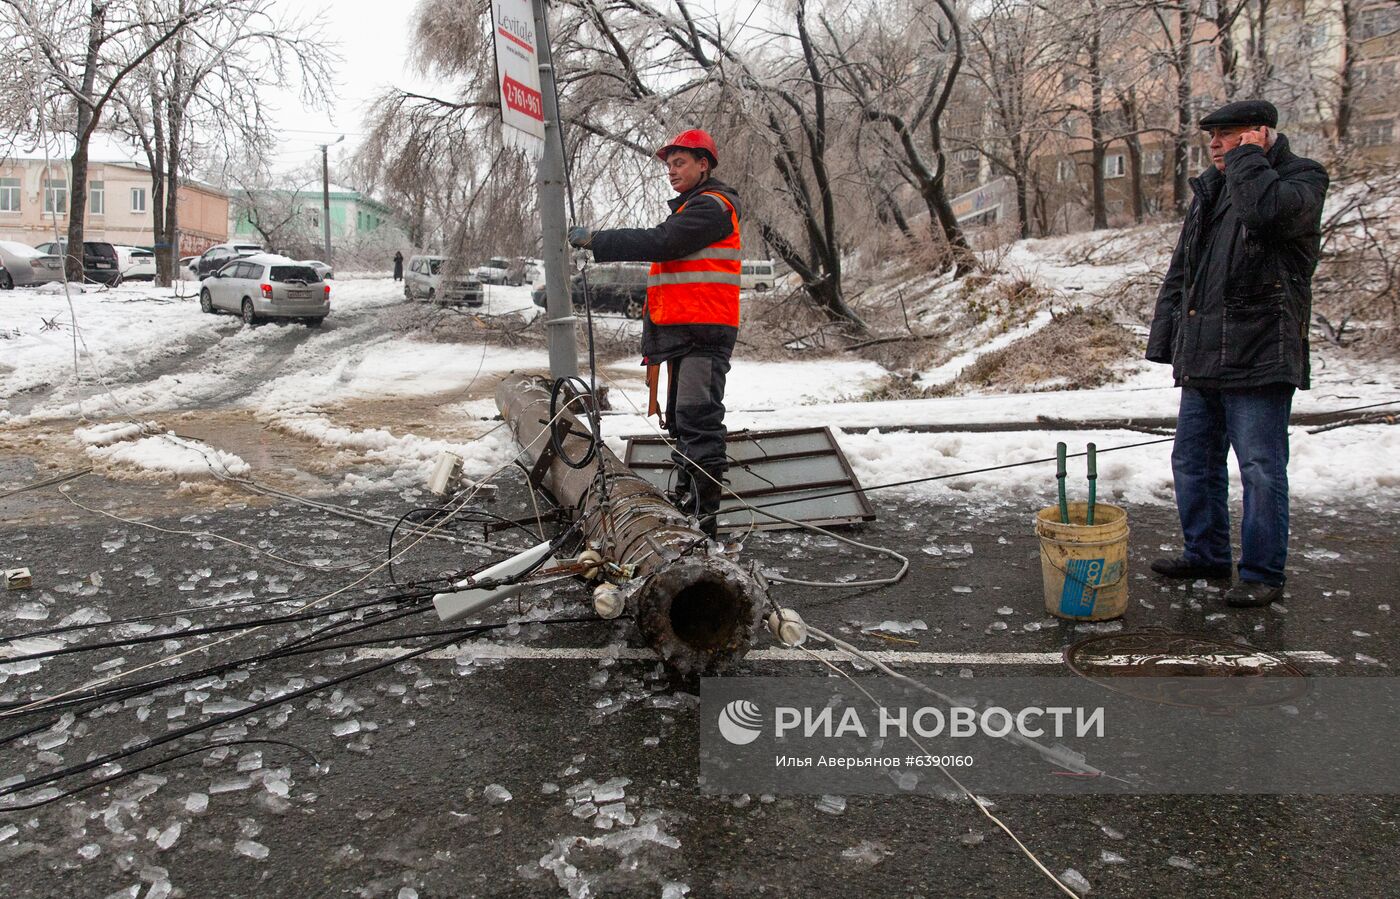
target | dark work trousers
[
  {"x": 695, "y": 411},
  {"x": 1254, "y": 422}
]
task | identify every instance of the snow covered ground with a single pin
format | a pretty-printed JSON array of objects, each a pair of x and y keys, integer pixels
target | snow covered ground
[{"x": 382, "y": 405}]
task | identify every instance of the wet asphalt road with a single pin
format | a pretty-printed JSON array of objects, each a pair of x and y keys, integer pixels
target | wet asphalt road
[{"x": 402, "y": 804}]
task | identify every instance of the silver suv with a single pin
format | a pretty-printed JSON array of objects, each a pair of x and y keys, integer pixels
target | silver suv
[
  {"x": 267, "y": 286},
  {"x": 433, "y": 278}
]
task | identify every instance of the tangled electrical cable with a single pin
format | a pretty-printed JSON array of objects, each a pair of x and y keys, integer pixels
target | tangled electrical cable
[{"x": 454, "y": 635}]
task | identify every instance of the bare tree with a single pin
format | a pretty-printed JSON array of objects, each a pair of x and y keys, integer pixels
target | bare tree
[
  {"x": 284, "y": 209},
  {"x": 1018, "y": 61},
  {"x": 83, "y": 50},
  {"x": 204, "y": 85},
  {"x": 905, "y": 83}
]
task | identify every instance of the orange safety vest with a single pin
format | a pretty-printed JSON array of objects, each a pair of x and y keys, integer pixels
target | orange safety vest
[{"x": 702, "y": 288}]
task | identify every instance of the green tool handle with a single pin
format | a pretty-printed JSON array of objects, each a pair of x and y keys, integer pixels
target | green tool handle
[
  {"x": 1093, "y": 486},
  {"x": 1060, "y": 474}
]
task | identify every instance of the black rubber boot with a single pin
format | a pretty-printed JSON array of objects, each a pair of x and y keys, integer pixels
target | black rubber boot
[{"x": 708, "y": 491}]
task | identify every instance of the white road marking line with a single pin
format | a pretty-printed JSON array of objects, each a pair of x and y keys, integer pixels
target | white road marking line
[{"x": 513, "y": 652}]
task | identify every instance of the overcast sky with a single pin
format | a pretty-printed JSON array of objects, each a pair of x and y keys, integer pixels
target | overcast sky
[{"x": 372, "y": 39}]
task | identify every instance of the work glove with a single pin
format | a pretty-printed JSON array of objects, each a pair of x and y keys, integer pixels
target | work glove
[{"x": 580, "y": 236}]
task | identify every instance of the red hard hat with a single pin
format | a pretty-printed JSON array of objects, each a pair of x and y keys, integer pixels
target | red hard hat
[{"x": 694, "y": 139}]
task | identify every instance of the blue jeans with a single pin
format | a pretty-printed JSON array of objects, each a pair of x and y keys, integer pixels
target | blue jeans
[{"x": 1254, "y": 421}]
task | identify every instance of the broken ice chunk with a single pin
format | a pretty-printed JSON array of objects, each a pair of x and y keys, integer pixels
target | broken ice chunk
[
  {"x": 610, "y": 790},
  {"x": 866, "y": 852},
  {"x": 254, "y": 850},
  {"x": 196, "y": 803},
  {"x": 1109, "y": 857},
  {"x": 51, "y": 741},
  {"x": 31, "y": 611},
  {"x": 896, "y": 627},
  {"x": 831, "y": 805},
  {"x": 230, "y": 784},
  {"x": 346, "y": 728},
  {"x": 496, "y": 794},
  {"x": 168, "y": 836},
  {"x": 1075, "y": 881},
  {"x": 613, "y": 813},
  {"x": 224, "y": 706}
]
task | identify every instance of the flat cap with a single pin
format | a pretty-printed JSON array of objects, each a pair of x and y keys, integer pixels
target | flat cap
[{"x": 1243, "y": 112}]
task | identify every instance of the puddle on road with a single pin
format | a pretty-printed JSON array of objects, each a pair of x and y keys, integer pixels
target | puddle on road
[
  {"x": 439, "y": 416},
  {"x": 277, "y": 459}
]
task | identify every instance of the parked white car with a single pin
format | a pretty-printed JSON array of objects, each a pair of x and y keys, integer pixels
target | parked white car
[
  {"x": 427, "y": 277},
  {"x": 493, "y": 271},
  {"x": 27, "y": 267},
  {"x": 265, "y": 285},
  {"x": 321, "y": 268},
  {"x": 136, "y": 263}
]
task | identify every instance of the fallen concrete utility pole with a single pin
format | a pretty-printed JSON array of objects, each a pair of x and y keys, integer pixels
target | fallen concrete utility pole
[{"x": 696, "y": 607}]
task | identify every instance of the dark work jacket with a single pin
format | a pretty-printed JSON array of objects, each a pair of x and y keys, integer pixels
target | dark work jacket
[
  {"x": 703, "y": 222},
  {"x": 1234, "y": 308}
]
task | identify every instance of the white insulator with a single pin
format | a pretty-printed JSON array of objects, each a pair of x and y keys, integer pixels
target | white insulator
[
  {"x": 590, "y": 560},
  {"x": 788, "y": 627},
  {"x": 608, "y": 601}
]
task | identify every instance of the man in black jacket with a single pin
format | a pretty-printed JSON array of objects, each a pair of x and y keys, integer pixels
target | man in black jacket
[
  {"x": 1232, "y": 321},
  {"x": 692, "y": 315}
]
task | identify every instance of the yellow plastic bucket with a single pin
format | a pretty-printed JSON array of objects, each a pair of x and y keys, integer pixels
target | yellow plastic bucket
[{"x": 1084, "y": 566}]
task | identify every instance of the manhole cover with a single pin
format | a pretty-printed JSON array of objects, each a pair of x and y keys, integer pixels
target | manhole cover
[{"x": 1187, "y": 670}]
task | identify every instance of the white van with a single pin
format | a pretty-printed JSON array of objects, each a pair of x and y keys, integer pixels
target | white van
[{"x": 756, "y": 274}]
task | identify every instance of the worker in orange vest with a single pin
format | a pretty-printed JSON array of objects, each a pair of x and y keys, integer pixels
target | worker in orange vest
[{"x": 692, "y": 312}]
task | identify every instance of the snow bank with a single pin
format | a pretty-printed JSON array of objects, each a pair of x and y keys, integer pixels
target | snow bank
[
  {"x": 777, "y": 386},
  {"x": 168, "y": 454},
  {"x": 108, "y": 433},
  {"x": 407, "y": 458}
]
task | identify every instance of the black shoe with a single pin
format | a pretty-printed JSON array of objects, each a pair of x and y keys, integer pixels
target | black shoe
[
  {"x": 709, "y": 489},
  {"x": 1252, "y": 595},
  {"x": 681, "y": 495},
  {"x": 1180, "y": 568}
]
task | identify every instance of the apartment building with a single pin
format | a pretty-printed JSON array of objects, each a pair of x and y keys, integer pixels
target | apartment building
[
  {"x": 1331, "y": 66},
  {"x": 35, "y": 186}
]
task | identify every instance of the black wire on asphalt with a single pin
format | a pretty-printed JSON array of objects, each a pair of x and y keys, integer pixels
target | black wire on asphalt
[
  {"x": 243, "y": 624},
  {"x": 130, "y": 690},
  {"x": 216, "y": 721},
  {"x": 82, "y": 704},
  {"x": 208, "y": 747},
  {"x": 453, "y": 635}
]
